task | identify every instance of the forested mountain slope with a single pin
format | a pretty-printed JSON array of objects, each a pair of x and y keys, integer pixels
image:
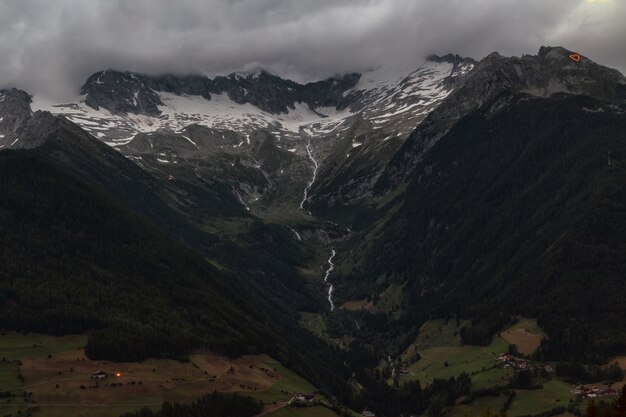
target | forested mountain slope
[{"x": 516, "y": 211}]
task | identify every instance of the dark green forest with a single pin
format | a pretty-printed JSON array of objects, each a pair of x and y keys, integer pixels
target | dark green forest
[
  {"x": 74, "y": 260},
  {"x": 212, "y": 405}
]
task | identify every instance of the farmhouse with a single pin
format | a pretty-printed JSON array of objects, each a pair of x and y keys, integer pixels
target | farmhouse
[
  {"x": 99, "y": 376},
  {"x": 593, "y": 391},
  {"x": 511, "y": 362},
  {"x": 404, "y": 371},
  {"x": 302, "y": 398}
]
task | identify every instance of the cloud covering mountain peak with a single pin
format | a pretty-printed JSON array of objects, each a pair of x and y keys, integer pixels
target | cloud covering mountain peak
[{"x": 51, "y": 47}]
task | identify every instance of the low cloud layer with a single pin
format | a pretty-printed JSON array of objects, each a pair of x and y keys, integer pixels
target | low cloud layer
[{"x": 50, "y": 47}]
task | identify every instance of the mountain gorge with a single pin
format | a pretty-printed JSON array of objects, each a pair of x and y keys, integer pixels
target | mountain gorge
[{"x": 248, "y": 213}]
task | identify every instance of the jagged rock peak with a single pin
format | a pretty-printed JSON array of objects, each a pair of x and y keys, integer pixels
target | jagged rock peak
[
  {"x": 120, "y": 92},
  {"x": 451, "y": 58},
  {"x": 14, "y": 110},
  {"x": 126, "y": 92}
]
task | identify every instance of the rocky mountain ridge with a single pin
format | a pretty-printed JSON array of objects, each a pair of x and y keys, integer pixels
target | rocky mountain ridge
[
  {"x": 127, "y": 92},
  {"x": 496, "y": 80},
  {"x": 115, "y": 106}
]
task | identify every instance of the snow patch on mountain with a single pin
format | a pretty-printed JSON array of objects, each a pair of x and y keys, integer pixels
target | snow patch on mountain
[{"x": 394, "y": 100}]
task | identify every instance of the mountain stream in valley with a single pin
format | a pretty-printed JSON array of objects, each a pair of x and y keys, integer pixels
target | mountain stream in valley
[
  {"x": 310, "y": 184},
  {"x": 331, "y": 288}
]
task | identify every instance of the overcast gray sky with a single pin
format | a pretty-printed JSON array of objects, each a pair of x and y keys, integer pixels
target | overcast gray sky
[{"x": 49, "y": 47}]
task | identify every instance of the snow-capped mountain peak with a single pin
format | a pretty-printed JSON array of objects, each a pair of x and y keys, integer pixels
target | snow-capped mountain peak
[{"x": 115, "y": 106}]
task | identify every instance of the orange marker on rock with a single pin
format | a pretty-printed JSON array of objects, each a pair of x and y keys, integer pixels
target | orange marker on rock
[{"x": 575, "y": 57}]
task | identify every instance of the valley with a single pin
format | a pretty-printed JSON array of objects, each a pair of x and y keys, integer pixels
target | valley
[{"x": 430, "y": 240}]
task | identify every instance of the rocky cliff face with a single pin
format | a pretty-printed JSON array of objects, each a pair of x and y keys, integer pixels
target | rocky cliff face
[
  {"x": 19, "y": 126},
  {"x": 14, "y": 111},
  {"x": 120, "y": 92}
]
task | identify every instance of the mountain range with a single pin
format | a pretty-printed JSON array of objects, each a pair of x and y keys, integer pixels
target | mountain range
[{"x": 169, "y": 213}]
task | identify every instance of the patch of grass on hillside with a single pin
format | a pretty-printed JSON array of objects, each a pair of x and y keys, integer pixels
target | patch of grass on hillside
[
  {"x": 389, "y": 299},
  {"x": 357, "y": 305},
  {"x": 434, "y": 333},
  {"x": 285, "y": 387},
  {"x": 555, "y": 393},
  {"x": 526, "y": 402},
  {"x": 442, "y": 356},
  {"x": 491, "y": 378},
  {"x": 26, "y": 346},
  {"x": 281, "y": 213},
  {"x": 478, "y": 407},
  {"x": 448, "y": 361},
  {"x": 526, "y": 335}
]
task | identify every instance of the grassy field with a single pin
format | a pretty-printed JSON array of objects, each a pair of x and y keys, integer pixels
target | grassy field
[
  {"x": 357, "y": 305},
  {"x": 19, "y": 346},
  {"x": 555, "y": 393},
  {"x": 527, "y": 402},
  {"x": 284, "y": 388},
  {"x": 478, "y": 407},
  {"x": 525, "y": 334},
  {"x": 449, "y": 361},
  {"x": 57, "y": 373},
  {"x": 443, "y": 356},
  {"x": 435, "y": 333}
]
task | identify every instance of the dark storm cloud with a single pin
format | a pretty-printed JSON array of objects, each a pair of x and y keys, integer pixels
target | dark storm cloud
[{"x": 50, "y": 47}]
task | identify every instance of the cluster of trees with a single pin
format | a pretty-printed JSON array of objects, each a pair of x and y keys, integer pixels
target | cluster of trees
[
  {"x": 408, "y": 398},
  {"x": 482, "y": 328},
  {"x": 212, "y": 405},
  {"x": 75, "y": 261},
  {"x": 576, "y": 372}
]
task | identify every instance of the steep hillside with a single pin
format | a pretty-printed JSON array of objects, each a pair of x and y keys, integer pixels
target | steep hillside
[
  {"x": 75, "y": 260},
  {"x": 515, "y": 211}
]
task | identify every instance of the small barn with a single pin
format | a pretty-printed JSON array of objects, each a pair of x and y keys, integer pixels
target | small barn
[{"x": 99, "y": 376}]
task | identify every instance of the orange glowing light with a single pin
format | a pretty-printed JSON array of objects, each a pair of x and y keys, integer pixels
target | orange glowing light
[
  {"x": 575, "y": 57},
  {"x": 118, "y": 374}
]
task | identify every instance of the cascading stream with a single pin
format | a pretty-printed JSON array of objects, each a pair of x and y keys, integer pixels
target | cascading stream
[
  {"x": 310, "y": 184},
  {"x": 331, "y": 288}
]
